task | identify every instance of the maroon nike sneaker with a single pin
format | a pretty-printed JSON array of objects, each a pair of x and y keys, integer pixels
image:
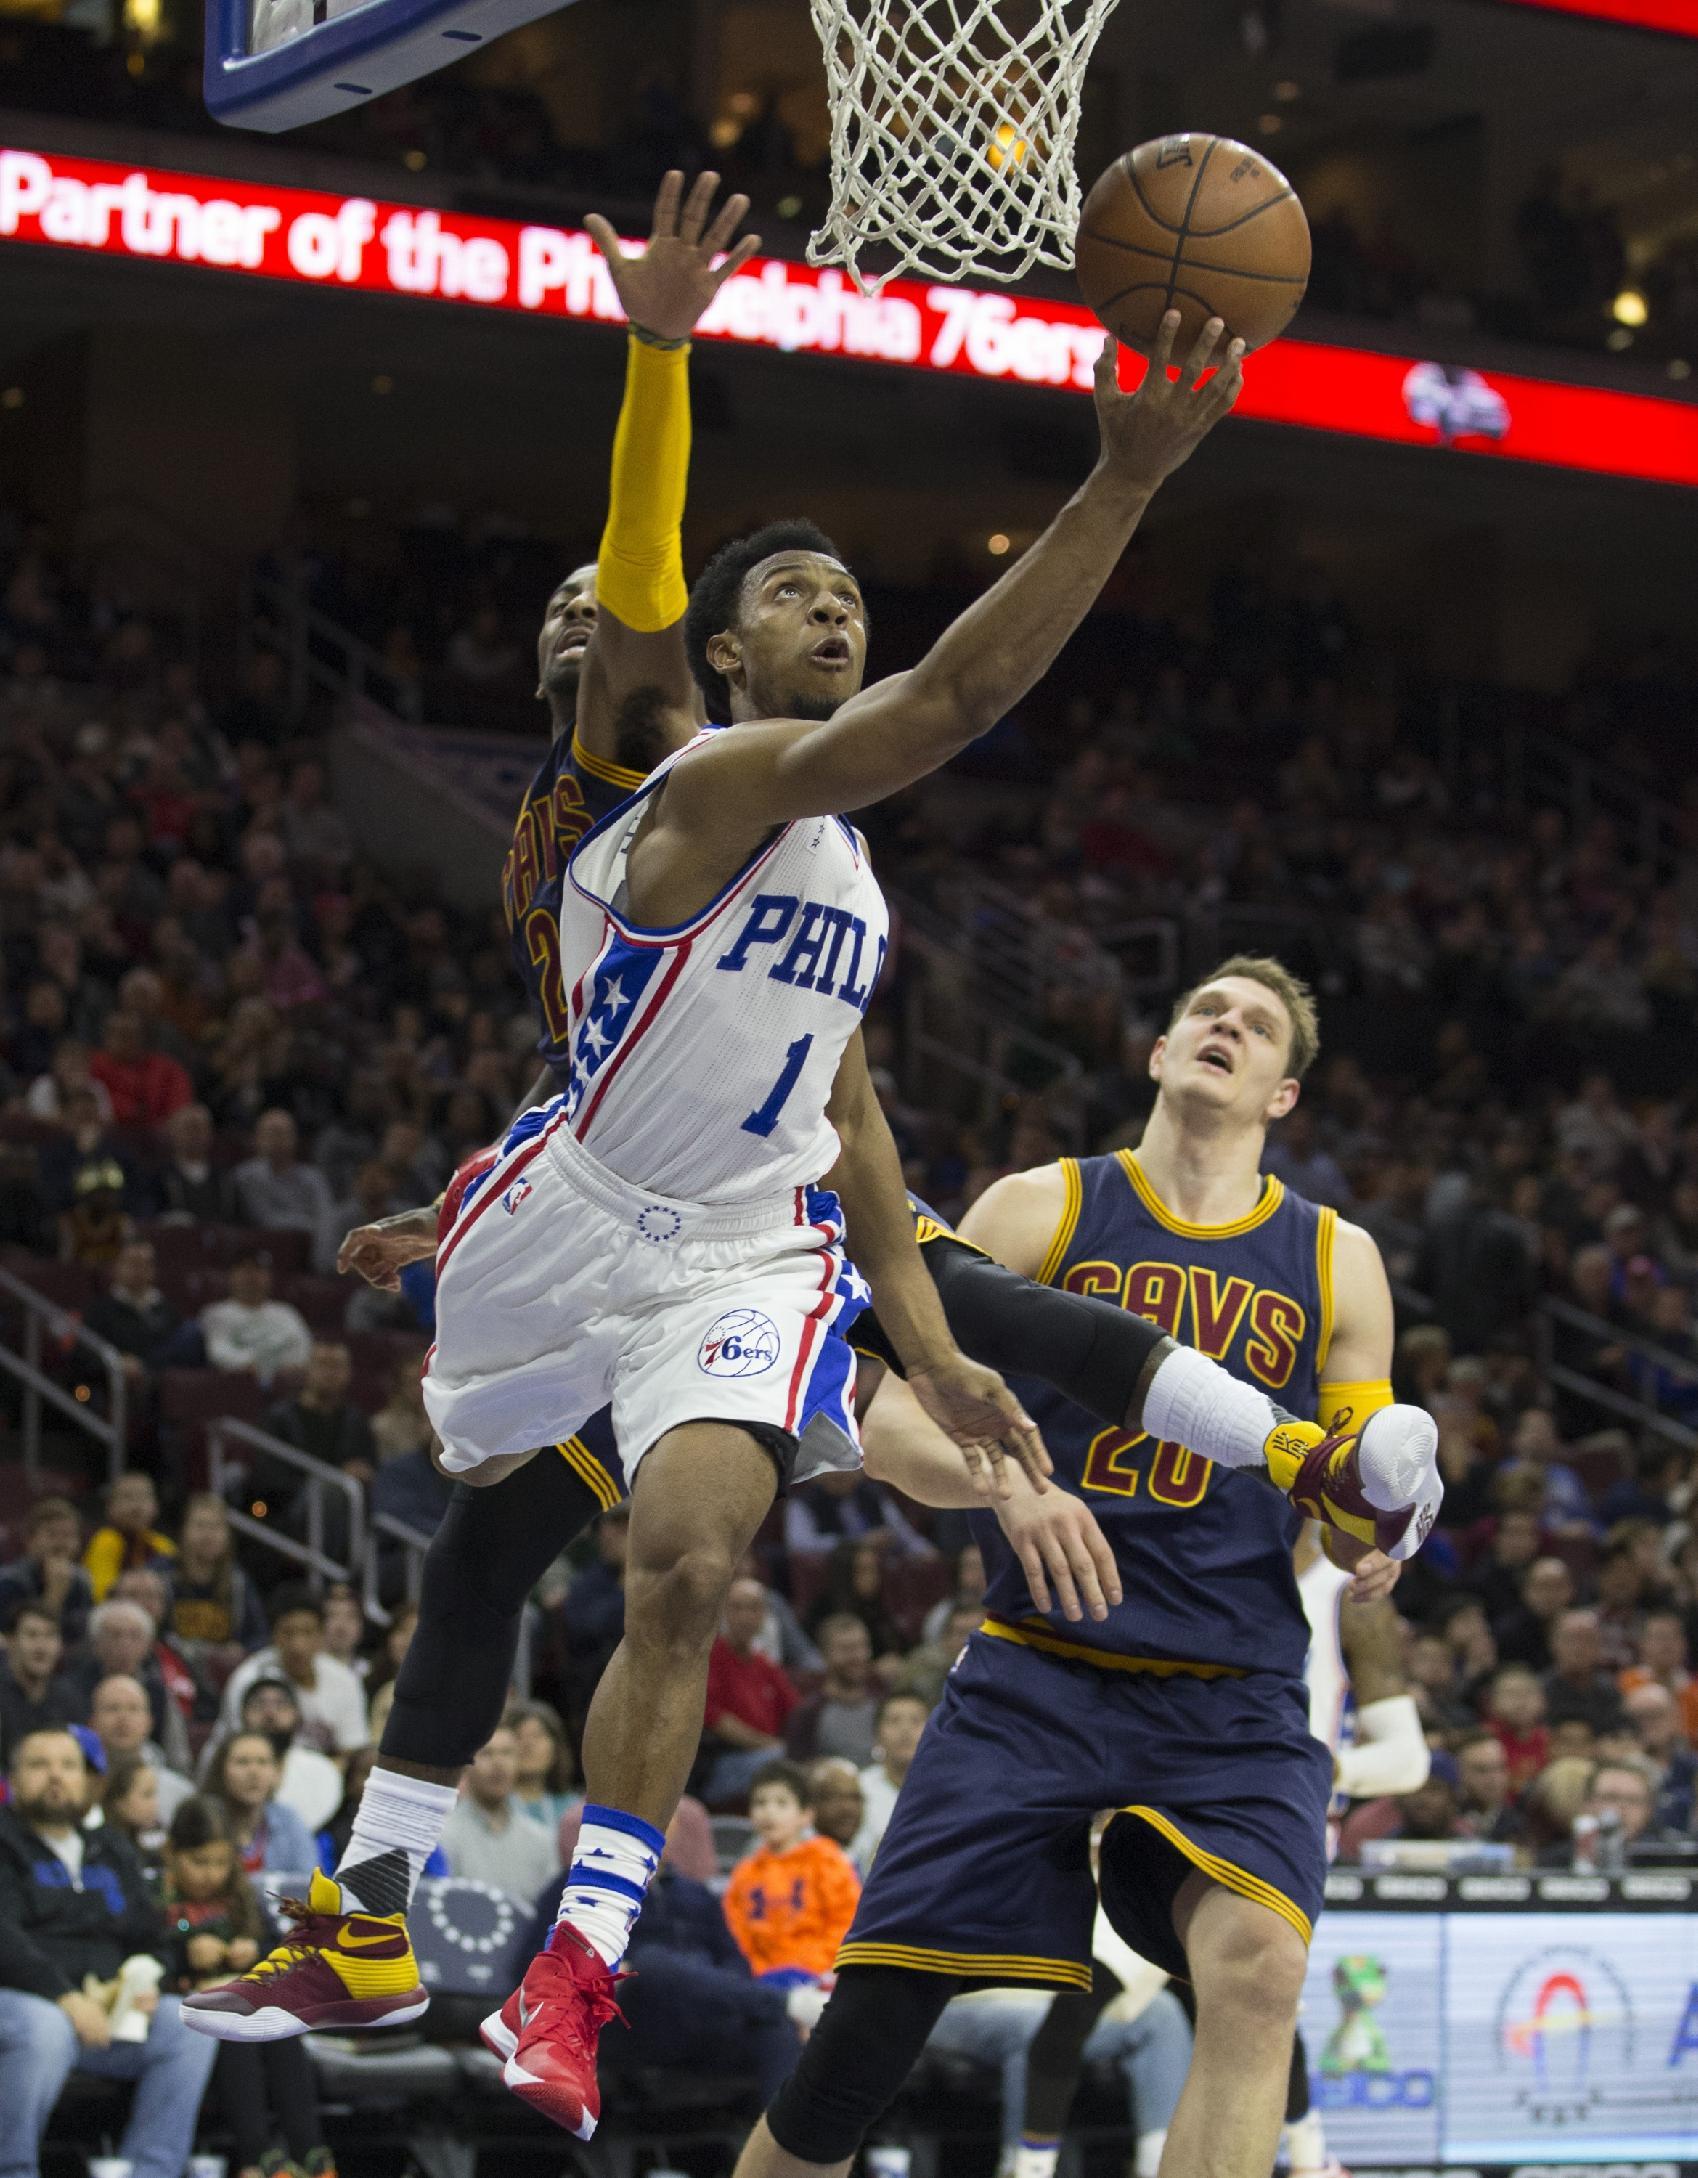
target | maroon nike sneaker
[
  {"x": 334, "y": 1969},
  {"x": 547, "y": 2031},
  {"x": 1378, "y": 1481}
]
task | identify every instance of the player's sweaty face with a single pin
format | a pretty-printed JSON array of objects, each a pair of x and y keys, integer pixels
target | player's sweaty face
[
  {"x": 803, "y": 632},
  {"x": 1231, "y": 1044},
  {"x": 565, "y": 633}
]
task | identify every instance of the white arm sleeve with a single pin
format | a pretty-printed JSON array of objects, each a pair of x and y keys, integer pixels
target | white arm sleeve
[{"x": 1391, "y": 1752}]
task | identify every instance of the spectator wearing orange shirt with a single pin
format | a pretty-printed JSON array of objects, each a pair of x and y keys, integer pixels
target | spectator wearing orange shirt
[{"x": 791, "y": 1900}]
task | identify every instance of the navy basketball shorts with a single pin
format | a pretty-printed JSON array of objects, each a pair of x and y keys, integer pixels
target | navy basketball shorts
[{"x": 985, "y": 1871}]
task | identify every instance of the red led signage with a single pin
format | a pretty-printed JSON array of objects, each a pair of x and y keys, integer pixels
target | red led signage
[{"x": 357, "y": 243}]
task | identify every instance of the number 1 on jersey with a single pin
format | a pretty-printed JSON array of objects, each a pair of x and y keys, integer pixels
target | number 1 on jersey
[{"x": 764, "y": 1118}]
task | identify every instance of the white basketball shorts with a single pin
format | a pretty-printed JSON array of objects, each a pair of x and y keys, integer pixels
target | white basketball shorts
[{"x": 561, "y": 1289}]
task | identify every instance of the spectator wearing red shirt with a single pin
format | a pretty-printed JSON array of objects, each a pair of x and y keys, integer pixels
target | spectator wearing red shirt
[
  {"x": 145, "y": 1086},
  {"x": 749, "y": 1699}
]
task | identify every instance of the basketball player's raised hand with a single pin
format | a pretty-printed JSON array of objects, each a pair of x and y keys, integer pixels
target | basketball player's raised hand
[
  {"x": 976, "y": 1410},
  {"x": 1147, "y": 434},
  {"x": 666, "y": 289}
]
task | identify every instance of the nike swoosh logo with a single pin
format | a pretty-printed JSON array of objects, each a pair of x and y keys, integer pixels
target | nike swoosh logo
[{"x": 347, "y": 1942}]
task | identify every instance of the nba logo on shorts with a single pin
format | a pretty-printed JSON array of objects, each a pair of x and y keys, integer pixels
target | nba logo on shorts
[
  {"x": 742, "y": 1342},
  {"x": 515, "y": 1195}
]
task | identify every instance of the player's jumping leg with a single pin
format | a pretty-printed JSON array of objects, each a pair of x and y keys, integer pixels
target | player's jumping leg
[
  {"x": 348, "y": 1961},
  {"x": 699, "y": 1497},
  {"x": 1247, "y": 1966},
  {"x": 1376, "y": 1480}
]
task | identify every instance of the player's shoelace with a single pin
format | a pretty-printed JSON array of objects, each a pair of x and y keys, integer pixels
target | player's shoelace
[
  {"x": 310, "y": 1932},
  {"x": 589, "y": 2005}
]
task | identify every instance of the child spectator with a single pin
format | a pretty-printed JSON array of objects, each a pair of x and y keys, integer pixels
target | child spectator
[
  {"x": 218, "y": 1928},
  {"x": 49, "y": 1571},
  {"x": 129, "y": 1537},
  {"x": 129, "y": 1808},
  {"x": 791, "y": 1900}
]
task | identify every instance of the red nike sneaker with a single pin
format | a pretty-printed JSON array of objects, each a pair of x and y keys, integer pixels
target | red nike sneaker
[
  {"x": 334, "y": 1969},
  {"x": 1378, "y": 1481},
  {"x": 546, "y": 2032}
]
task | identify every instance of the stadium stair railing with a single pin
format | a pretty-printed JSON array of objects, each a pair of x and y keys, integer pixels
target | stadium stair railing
[
  {"x": 322, "y": 1484},
  {"x": 41, "y": 1322}
]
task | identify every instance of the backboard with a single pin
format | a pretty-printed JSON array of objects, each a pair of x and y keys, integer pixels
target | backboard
[{"x": 277, "y": 64}]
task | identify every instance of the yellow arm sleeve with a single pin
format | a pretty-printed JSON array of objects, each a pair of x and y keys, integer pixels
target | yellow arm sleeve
[
  {"x": 1354, "y": 1402},
  {"x": 640, "y": 567}
]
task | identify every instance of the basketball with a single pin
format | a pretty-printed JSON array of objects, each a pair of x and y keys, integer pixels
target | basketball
[{"x": 1198, "y": 223}]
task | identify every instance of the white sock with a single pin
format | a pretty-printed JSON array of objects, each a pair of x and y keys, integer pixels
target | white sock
[
  {"x": 611, "y": 1871},
  {"x": 1305, "y": 2145},
  {"x": 396, "y": 1829},
  {"x": 1146, "y": 2160},
  {"x": 1192, "y": 1401},
  {"x": 1035, "y": 2158}
]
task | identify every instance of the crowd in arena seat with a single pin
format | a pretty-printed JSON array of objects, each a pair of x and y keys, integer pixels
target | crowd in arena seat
[{"x": 225, "y": 1039}]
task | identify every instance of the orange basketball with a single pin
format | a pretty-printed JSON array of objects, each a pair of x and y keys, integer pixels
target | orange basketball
[{"x": 1196, "y": 223}]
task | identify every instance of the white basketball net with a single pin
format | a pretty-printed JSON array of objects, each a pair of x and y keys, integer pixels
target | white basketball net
[{"x": 952, "y": 128}]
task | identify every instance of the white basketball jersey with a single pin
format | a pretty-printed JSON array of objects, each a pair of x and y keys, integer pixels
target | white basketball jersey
[{"x": 702, "y": 1057}]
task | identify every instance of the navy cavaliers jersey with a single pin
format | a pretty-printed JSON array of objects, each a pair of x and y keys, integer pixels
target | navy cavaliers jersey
[
  {"x": 571, "y": 791},
  {"x": 1204, "y": 1552}
]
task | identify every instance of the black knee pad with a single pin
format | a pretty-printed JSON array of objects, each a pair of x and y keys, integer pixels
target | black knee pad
[
  {"x": 492, "y": 1548},
  {"x": 867, "y": 2042}
]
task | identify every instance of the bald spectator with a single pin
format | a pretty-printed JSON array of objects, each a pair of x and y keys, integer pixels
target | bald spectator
[
  {"x": 251, "y": 1330},
  {"x": 188, "y": 1187},
  {"x": 276, "y": 1190},
  {"x": 1524, "y": 1634},
  {"x": 120, "y": 1718},
  {"x": 143, "y": 1086},
  {"x": 1577, "y": 1687},
  {"x": 838, "y": 1802}
]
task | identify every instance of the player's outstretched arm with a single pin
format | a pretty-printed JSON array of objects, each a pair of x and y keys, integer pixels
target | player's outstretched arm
[
  {"x": 970, "y": 1403},
  {"x": 380, "y": 1252},
  {"x": 638, "y": 643},
  {"x": 901, "y": 729}
]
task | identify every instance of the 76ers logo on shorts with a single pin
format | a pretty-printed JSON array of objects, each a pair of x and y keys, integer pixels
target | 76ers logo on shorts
[{"x": 742, "y": 1342}]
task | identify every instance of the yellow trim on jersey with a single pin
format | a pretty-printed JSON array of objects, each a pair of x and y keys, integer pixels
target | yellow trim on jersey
[
  {"x": 1228, "y": 1873},
  {"x": 970, "y": 1965},
  {"x": 591, "y": 1472},
  {"x": 1354, "y": 1402},
  {"x": 1073, "y": 1198},
  {"x": 927, "y": 1229},
  {"x": 1273, "y": 1194},
  {"x": 602, "y": 768},
  {"x": 1158, "y": 1667},
  {"x": 1326, "y": 1237}
]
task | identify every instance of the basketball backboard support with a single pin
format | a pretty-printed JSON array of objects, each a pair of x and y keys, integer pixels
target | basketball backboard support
[{"x": 277, "y": 64}]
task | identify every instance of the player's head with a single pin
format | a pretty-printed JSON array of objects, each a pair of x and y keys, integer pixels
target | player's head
[
  {"x": 564, "y": 637},
  {"x": 780, "y": 1805},
  {"x": 1239, "y": 1043},
  {"x": 777, "y": 627}
]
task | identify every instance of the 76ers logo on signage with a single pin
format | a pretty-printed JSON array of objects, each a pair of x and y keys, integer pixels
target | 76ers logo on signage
[{"x": 742, "y": 1342}]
